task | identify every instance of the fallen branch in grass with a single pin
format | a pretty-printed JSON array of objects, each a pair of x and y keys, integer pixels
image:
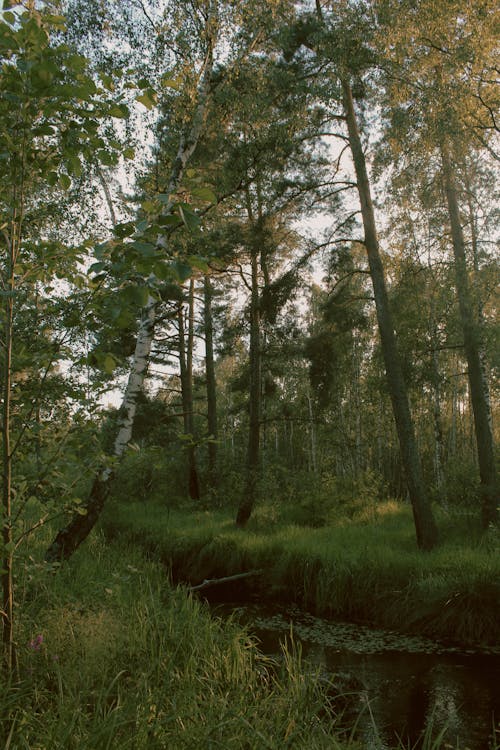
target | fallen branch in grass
[{"x": 227, "y": 579}]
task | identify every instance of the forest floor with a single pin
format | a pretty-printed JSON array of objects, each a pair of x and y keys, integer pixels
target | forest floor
[{"x": 362, "y": 569}]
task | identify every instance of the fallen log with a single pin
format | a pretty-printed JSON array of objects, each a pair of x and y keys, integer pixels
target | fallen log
[{"x": 227, "y": 579}]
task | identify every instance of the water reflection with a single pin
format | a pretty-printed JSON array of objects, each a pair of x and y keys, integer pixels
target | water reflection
[{"x": 399, "y": 695}]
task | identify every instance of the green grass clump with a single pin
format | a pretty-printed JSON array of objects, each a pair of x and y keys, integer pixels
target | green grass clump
[
  {"x": 110, "y": 656},
  {"x": 365, "y": 568}
]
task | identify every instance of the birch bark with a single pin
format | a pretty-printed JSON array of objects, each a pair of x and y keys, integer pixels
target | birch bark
[{"x": 76, "y": 531}]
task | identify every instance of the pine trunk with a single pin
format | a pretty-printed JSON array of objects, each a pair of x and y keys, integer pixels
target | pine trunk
[
  {"x": 7, "y": 559},
  {"x": 186, "y": 372},
  {"x": 425, "y": 526},
  {"x": 472, "y": 344},
  {"x": 211, "y": 385},
  {"x": 253, "y": 451}
]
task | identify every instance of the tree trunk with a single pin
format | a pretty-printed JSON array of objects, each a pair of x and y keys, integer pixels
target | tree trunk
[
  {"x": 186, "y": 372},
  {"x": 211, "y": 385},
  {"x": 472, "y": 345},
  {"x": 312, "y": 435},
  {"x": 69, "y": 538},
  {"x": 437, "y": 423},
  {"x": 6, "y": 516},
  {"x": 425, "y": 526},
  {"x": 252, "y": 467}
]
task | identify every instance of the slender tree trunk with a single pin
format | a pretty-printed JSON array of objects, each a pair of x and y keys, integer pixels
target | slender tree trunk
[
  {"x": 478, "y": 301},
  {"x": 69, "y": 538},
  {"x": 6, "y": 516},
  {"x": 437, "y": 422},
  {"x": 252, "y": 468},
  {"x": 454, "y": 409},
  {"x": 312, "y": 436},
  {"x": 425, "y": 526},
  {"x": 186, "y": 371},
  {"x": 472, "y": 345},
  {"x": 211, "y": 385}
]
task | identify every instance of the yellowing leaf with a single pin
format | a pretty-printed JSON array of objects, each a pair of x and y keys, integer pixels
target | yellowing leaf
[{"x": 148, "y": 99}]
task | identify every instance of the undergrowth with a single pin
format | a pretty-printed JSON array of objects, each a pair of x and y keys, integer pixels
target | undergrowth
[
  {"x": 110, "y": 656},
  {"x": 365, "y": 568}
]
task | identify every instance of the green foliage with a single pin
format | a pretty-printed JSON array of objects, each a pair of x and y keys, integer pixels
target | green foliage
[
  {"x": 112, "y": 657},
  {"x": 461, "y": 485},
  {"x": 149, "y": 475},
  {"x": 332, "y": 498},
  {"x": 366, "y": 568}
]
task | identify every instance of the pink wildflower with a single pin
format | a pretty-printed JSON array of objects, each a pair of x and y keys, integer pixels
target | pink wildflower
[{"x": 36, "y": 643}]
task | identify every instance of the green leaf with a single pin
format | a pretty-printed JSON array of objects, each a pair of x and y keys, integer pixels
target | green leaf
[
  {"x": 129, "y": 153},
  {"x": 200, "y": 263},
  {"x": 77, "y": 63},
  {"x": 74, "y": 166},
  {"x": 139, "y": 295},
  {"x": 189, "y": 218},
  {"x": 169, "y": 221},
  {"x": 108, "y": 364},
  {"x": 146, "y": 248},
  {"x": 204, "y": 194},
  {"x": 64, "y": 181},
  {"x": 97, "y": 267},
  {"x": 126, "y": 229},
  {"x": 44, "y": 129},
  {"x": 56, "y": 21},
  {"x": 107, "y": 158},
  {"x": 101, "y": 248},
  {"x": 9, "y": 17},
  {"x": 107, "y": 81},
  {"x": 181, "y": 270},
  {"x": 119, "y": 110},
  {"x": 171, "y": 83},
  {"x": 148, "y": 99},
  {"x": 149, "y": 206}
]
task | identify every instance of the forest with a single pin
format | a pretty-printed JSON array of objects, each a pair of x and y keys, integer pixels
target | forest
[{"x": 249, "y": 354}]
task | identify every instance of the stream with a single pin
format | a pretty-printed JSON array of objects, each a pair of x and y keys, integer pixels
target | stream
[{"x": 400, "y": 687}]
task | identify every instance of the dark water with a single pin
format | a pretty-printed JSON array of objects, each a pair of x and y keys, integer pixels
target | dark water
[{"x": 400, "y": 687}]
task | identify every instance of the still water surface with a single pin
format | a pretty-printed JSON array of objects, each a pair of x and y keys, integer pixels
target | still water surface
[{"x": 400, "y": 686}]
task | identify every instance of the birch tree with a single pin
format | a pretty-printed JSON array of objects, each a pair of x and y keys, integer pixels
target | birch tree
[
  {"x": 50, "y": 111},
  {"x": 73, "y": 534},
  {"x": 212, "y": 39}
]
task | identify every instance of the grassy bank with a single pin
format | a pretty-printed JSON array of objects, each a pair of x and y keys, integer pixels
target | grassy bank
[
  {"x": 366, "y": 569},
  {"x": 112, "y": 657}
]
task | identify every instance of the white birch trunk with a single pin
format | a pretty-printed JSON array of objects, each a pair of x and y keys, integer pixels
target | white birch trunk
[{"x": 70, "y": 537}]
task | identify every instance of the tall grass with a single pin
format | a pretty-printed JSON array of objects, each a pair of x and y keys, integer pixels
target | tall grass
[
  {"x": 365, "y": 568},
  {"x": 112, "y": 657}
]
